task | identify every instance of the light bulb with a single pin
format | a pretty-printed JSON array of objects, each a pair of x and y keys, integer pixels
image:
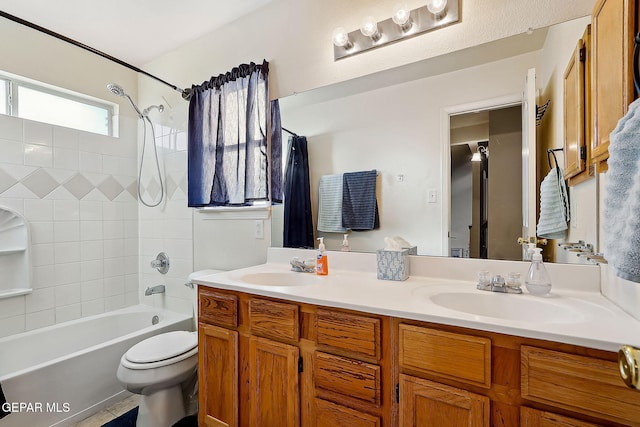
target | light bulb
[
  {"x": 401, "y": 14},
  {"x": 437, "y": 6},
  {"x": 369, "y": 28},
  {"x": 341, "y": 38}
]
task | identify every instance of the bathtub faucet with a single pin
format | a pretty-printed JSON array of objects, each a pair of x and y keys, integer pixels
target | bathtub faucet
[{"x": 159, "y": 289}]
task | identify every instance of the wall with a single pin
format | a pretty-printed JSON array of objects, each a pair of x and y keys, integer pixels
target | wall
[
  {"x": 396, "y": 130},
  {"x": 77, "y": 192}
]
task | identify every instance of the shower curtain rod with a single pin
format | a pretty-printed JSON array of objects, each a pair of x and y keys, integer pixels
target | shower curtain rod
[{"x": 185, "y": 92}]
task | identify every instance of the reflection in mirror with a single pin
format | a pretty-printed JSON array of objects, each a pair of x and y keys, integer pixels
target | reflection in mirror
[{"x": 393, "y": 122}]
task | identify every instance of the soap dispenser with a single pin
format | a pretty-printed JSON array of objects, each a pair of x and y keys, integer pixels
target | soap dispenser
[
  {"x": 538, "y": 281},
  {"x": 345, "y": 244},
  {"x": 322, "y": 264}
]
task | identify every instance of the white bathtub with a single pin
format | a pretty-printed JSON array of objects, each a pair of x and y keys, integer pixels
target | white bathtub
[{"x": 67, "y": 372}]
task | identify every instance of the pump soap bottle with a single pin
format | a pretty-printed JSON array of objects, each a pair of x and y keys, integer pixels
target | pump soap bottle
[
  {"x": 322, "y": 264},
  {"x": 538, "y": 281},
  {"x": 345, "y": 244}
]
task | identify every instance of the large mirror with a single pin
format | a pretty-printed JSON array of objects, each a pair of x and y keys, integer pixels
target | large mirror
[{"x": 412, "y": 124}]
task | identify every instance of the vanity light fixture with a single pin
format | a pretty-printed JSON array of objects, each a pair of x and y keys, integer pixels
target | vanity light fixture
[
  {"x": 482, "y": 149},
  {"x": 403, "y": 24}
]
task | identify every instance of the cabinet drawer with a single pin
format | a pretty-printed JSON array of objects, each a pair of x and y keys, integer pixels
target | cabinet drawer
[
  {"x": 578, "y": 383},
  {"x": 457, "y": 356},
  {"x": 352, "y": 378},
  {"x": 351, "y": 332},
  {"x": 217, "y": 308},
  {"x": 535, "y": 418},
  {"x": 331, "y": 415},
  {"x": 274, "y": 319}
]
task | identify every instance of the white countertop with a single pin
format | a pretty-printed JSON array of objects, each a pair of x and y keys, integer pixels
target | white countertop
[{"x": 584, "y": 318}]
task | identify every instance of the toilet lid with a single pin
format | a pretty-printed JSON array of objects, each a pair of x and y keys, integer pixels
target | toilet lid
[{"x": 162, "y": 347}]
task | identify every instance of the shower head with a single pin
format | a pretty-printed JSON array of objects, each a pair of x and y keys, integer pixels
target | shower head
[
  {"x": 146, "y": 111},
  {"x": 115, "y": 89},
  {"x": 119, "y": 91}
]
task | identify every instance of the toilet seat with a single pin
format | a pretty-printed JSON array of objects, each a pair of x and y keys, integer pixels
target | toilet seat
[{"x": 161, "y": 350}]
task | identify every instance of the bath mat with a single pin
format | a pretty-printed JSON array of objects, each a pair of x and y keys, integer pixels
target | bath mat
[{"x": 128, "y": 419}]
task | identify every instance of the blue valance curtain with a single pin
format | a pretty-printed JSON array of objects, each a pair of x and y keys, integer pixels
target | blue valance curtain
[{"x": 227, "y": 138}]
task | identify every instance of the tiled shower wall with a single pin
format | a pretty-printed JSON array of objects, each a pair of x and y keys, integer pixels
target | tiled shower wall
[
  {"x": 168, "y": 227},
  {"x": 77, "y": 192}
]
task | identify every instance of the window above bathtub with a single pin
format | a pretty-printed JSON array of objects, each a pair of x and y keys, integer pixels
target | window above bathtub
[{"x": 32, "y": 100}]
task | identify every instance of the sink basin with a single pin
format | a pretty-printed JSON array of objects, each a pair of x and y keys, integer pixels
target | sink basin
[
  {"x": 508, "y": 307},
  {"x": 280, "y": 279}
]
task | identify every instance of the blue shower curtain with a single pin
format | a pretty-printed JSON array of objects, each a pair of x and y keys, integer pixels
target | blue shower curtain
[
  {"x": 298, "y": 225},
  {"x": 227, "y": 139}
]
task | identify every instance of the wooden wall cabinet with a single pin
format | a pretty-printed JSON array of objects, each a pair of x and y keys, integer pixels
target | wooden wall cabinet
[
  {"x": 613, "y": 26},
  {"x": 577, "y": 113}
]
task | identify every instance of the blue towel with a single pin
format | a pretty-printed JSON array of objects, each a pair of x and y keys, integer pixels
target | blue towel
[
  {"x": 621, "y": 221},
  {"x": 359, "y": 204},
  {"x": 3, "y": 400}
]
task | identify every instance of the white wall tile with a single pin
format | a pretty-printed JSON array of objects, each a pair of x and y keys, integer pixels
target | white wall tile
[
  {"x": 68, "y": 312},
  {"x": 91, "y": 250},
  {"x": 131, "y": 283},
  {"x": 11, "y": 127},
  {"x": 68, "y": 273},
  {"x": 38, "y": 133},
  {"x": 114, "y": 302},
  {"x": 10, "y": 307},
  {"x": 12, "y": 325},
  {"x": 38, "y": 155},
  {"x": 92, "y": 289},
  {"x": 92, "y": 270},
  {"x": 11, "y": 152},
  {"x": 90, "y": 210},
  {"x": 130, "y": 229},
  {"x": 65, "y": 138},
  {"x": 114, "y": 229},
  {"x": 68, "y": 294},
  {"x": 41, "y": 232},
  {"x": 66, "y": 231},
  {"x": 90, "y": 162},
  {"x": 93, "y": 307},
  {"x": 14, "y": 204},
  {"x": 66, "y": 252},
  {"x": 38, "y": 210},
  {"x": 91, "y": 230},
  {"x": 112, "y": 211},
  {"x": 66, "y": 210},
  {"x": 114, "y": 267},
  {"x": 64, "y": 158},
  {"x": 114, "y": 286},
  {"x": 39, "y": 300},
  {"x": 42, "y": 254},
  {"x": 43, "y": 276},
  {"x": 110, "y": 165},
  {"x": 39, "y": 319}
]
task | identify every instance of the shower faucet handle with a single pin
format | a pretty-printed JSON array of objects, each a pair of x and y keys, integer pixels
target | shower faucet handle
[{"x": 161, "y": 263}]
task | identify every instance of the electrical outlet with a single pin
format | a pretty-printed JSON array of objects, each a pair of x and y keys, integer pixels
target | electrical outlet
[{"x": 258, "y": 231}]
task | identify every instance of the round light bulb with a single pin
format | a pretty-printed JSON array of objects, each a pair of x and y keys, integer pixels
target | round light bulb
[
  {"x": 436, "y": 6},
  {"x": 401, "y": 14},
  {"x": 369, "y": 27},
  {"x": 340, "y": 37}
]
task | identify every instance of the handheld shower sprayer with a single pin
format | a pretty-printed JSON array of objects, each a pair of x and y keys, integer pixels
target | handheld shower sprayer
[{"x": 119, "y": 91}]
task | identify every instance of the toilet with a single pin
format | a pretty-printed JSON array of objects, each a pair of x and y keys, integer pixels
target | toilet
[
  {"x": 163, "y": 370},
  {"x": 156, "y": 368}
]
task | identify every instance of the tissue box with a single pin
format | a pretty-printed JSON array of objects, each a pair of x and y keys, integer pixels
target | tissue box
[
  {"x": 393, "y": 265},
  {"x": 413, "y": 250}
]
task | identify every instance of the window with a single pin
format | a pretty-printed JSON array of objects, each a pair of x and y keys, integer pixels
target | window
[{"x": 43, "y": 103}]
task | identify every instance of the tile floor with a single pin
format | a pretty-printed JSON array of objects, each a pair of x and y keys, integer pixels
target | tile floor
[{"x": 110, "y": 413}]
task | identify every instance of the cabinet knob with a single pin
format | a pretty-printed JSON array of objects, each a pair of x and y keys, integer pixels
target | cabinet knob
[{"x": 628, "y": 362}]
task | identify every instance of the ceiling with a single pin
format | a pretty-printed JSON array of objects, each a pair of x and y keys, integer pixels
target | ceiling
[{"x": 135, "y": 31}]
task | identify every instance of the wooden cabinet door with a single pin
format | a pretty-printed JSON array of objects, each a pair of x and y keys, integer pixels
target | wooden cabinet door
[
  {"x": 328, "y": 414},
  {"x": 274, "y": 390},
  {"x": 429, "y": 404},
  {"x": 612, "y": 27},
  {"x": 534, "y": 418},
  {"x": 217, "y": 376},
  {"x": 575, "y": 151}
]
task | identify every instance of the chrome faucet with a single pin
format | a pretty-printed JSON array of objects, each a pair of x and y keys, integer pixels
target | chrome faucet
[
  {"x": 303, "y": 266},
  {"x": 498, "y": 284},
  {"x": 159, "y": 289}
]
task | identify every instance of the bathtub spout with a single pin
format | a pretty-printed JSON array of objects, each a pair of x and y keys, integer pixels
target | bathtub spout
[{"x": 154, "y": 290}]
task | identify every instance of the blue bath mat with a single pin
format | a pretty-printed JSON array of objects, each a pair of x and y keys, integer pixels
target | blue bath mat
[{"x": 128, "y": 419}]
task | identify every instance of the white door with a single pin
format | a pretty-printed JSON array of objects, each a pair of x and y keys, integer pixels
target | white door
[{"x": 529, "y": 170}]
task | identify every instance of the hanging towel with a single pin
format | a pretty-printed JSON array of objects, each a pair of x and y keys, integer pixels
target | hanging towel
[
  {"x": 359, "y": 204},
  {"x": 621, "y": 218},
  {"x": 276, "y": 153},
  {"x": 3, "y": 400},
  {"x": 554, "y": 209},
  {"x": 298, "y": 224},
  {"x": 330, "y": 204}
]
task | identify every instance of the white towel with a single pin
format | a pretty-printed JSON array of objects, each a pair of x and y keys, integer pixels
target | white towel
[
  {"x": 554, "y": 211},
  {"x": 621, "y": 218},
  {"x": 330, "y": 204}
]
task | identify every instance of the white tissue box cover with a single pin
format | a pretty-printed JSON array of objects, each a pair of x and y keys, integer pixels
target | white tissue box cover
[{"x": 393, "y": 265}]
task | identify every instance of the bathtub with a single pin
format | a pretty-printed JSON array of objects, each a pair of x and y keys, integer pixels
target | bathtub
[{"x": 64, "y": 373}]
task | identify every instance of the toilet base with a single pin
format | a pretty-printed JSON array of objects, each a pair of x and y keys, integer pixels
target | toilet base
[{"x": 163, "y": 408}]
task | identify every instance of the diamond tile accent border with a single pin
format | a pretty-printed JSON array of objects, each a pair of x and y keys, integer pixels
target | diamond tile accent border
[{"x": 41, "y": 183}]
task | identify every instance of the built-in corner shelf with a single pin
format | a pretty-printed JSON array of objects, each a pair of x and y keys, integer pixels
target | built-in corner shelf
[{"x": 14, "y": 254}]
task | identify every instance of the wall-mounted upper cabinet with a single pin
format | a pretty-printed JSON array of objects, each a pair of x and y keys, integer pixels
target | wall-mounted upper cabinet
[
  {"x": 613, "y": 28},
  {"x": 577, "y": 112}
]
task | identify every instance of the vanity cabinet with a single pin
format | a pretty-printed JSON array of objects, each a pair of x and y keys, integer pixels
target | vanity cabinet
[
  {"x": 267, "y": 362},
  {"x": 613, "y": 27}
]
